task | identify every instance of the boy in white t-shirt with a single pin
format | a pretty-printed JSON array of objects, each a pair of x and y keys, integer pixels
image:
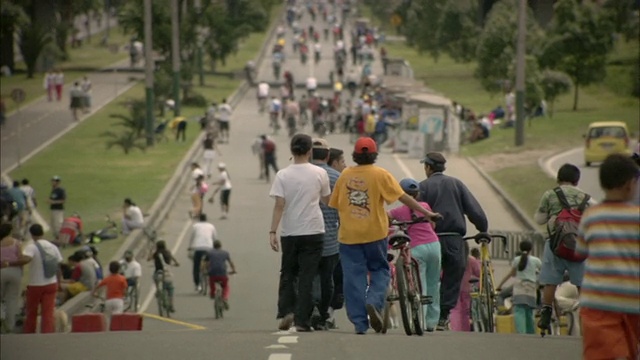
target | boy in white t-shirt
[{"x": 224, "y": 186}]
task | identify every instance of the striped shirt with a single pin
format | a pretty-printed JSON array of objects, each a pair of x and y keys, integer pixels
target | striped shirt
[
  {"x": 610, "y": 238},
  {"x": 331, "y": 246}
]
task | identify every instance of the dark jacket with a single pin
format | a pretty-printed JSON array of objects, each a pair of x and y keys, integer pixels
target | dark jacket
[{"x": 451, "y": 198}]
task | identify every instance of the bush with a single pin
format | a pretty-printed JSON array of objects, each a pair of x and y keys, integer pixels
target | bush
[
  {"x": 554, "y": 84},
  {"x": 195, "y": 99}
]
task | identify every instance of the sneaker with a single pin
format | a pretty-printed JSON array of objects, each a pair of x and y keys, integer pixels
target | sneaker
[
  {"x": 300, "y": 328},
  {"x": 375, "y": 319},
  {"x": 544, "y": 323},
  {"x": 286, "y": 322},
  {"x": 443, "y": 325},
  {"x": 225, "y": 303},
  {"x": 331, "y": 324},
  {"x": 429, "y": 329},
  {"x": 198, "y": 288}
]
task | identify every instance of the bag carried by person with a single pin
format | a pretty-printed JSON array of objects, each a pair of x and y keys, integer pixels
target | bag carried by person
[
  {"x": 49, "y": 261},
  {"x": 564, "y": 237}
]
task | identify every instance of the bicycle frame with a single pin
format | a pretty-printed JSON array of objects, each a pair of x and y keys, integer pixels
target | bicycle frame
[{"x": 486, "y": 268}]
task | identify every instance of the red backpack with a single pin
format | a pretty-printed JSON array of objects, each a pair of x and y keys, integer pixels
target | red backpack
[{"x": 565, "y": 235}]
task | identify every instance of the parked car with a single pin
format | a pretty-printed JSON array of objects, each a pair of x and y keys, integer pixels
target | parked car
[{"x": 604, "y": 138}]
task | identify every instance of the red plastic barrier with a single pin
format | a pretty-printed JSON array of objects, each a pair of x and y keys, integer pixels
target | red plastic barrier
[
  {"x": 126, "y": 322},
  {"x": 91, "y": 322}
]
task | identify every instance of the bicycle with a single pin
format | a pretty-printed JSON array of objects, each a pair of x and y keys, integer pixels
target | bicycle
[
  {"x": 131, "y": 299},
  {"x": 560, "y": 320},
  {"x": 392, "y": 296},
  {"x": 152, "y": 236},
  {"x": 219, "y": 304},
  {"x": 407, "y": 277},
  {"x": 162, "y": 295},
  {"x": 483, "y": 293},
  {"x": 204, "y": 279}
]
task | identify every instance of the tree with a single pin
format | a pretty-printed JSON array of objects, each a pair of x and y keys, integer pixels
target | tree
[
  {"x": 33, "y": 40},
  {"x": 12, "y": 18},
  {"x": 135, "y": 120},
  {"x": 554, "y": 84},
  {"x": 126, "y": 140},
  {"x": 458, "y": 30},
  {"x": 497, "y": 44},
  {"x": 623, "y": 15},
  {"x": 580, "y": 39},
  {"x": 420, "y": 32}
]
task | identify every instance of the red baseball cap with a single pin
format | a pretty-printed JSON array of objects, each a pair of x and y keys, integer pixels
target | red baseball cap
[{"x": 365, "y": 145}]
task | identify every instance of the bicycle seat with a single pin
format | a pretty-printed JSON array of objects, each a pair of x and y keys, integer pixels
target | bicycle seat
[
  {"x": 474, "y": 281},
  {"x": 398, "y": 240}
]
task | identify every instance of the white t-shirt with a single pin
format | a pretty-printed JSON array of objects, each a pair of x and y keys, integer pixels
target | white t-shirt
[
  {"x": 197, "y": 172},
  {"x": 131, "y": 269},
  {"x": 203, "y": 235},
  {"x": 301, "y": 186},
  {"x": 224, "y": 112},
  {"x": 29, "y": 193},
  {"x": 263, "y": 89},
  {"x": 227, "y": 181},
  {"x": 36, "y": 271},
  {"x": 312, "y": 83},
  {"x": 135, "y": 214}
]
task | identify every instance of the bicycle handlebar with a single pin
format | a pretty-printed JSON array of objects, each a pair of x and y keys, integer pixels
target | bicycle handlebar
[
  {"x": 406, "y": 223},
  {"x": 486, "y": 238}
]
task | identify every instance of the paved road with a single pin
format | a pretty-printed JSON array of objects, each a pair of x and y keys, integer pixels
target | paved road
[
  {"x": 40, "y": 122},
  {"x": 248, "y": 330}
]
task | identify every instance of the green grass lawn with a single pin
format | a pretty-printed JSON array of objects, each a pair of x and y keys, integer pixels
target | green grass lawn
[
  {"x": 89, "y": 57},
  {"x": 97, "y": 180}
]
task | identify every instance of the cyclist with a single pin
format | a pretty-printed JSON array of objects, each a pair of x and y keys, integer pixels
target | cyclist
[
  {"x": 425, "y": 248},
  {"x": 162, "y": 259},
  {"x": 312, "y": 85},
  {"x": 263, "y": 94},
  {"x": 274, "y": 110},
  {"x": 116, "y": 286},
  {"x": 290, "y": 113},
  {"x": 130, "y": 268},
  {"x": 202, "y": 235},
  {"x": 451, "y": 198},
  {"x": 216, "y": 262}
]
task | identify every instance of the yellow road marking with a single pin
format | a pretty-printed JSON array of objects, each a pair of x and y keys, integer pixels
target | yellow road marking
[{"x": 177, "y": 322}]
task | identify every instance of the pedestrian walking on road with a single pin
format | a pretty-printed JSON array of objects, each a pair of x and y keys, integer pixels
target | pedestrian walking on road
[
  {"x": 298, "y": 190},
  {"x": 56, "y": 202},
  {"x": 224, "y": 186},
  {"x": 49, "y": 84},
  {"x": 256, "y": 149},
  {"x": 77, "y": 100},
  {"x": 10, "y": 276},
  {"x": 86, "y": 89},
  {"x": 359, "y": 196},
  {"x": 269, "y": 153},
  {"x": 451, "y": 198},
  {"x": 203, "y": 234},
  {"x": 224, "y": 118},
  {"x": 59, "y": 83},
  {"x": 210, "y": 152}
]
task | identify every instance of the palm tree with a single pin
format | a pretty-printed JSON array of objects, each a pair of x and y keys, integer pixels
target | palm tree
[
  {"x": 127, "y": 141},
  {"x": 33, "y": 39},
  {"x": 135, "y": 121}
]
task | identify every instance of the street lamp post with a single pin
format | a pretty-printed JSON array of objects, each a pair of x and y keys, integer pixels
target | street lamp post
[
  {"x": 175, "y": 54},
  {"x": 520, "y": 71},
  {"x": 148, "y": 73}
]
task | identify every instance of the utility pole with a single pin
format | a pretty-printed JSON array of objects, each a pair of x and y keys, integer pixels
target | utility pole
[
  {"x": 148, "y": 71},
  {"x": 520, "y": 71},
  {"x": 175, "y": 54}
]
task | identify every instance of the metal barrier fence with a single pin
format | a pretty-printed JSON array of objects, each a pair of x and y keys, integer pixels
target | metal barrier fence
[{"x": 514, "y": 238}]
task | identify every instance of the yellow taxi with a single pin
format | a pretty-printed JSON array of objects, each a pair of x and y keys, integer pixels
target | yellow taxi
[{"x": 604, "y": 138}]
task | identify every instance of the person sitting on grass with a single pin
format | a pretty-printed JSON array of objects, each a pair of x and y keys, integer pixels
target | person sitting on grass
[
  {"x": 83, "y": 277},
  {"x": 116, "y": 286}
]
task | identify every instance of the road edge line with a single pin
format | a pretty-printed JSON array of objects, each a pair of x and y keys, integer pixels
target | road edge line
[{"x": 173, "y": 321}]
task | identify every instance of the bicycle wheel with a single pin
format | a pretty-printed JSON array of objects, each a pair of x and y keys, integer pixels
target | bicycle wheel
[
  {"x": 218, "y": 303},
  {"x": 405, "y": 300},
  {"x": 134, "y": 299},
  {"x": 204, "y": 283},
  {"x": 476, "y": 314},
  {"x": 160, "y": 300},
  {"x": 417, "y": 309},
  {"x": 488, "y": 301},
  {"x": 167, "y": 304},
  {"x": 127, "y": 301}
]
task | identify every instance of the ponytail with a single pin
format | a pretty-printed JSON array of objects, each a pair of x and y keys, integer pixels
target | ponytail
[{"x": 525, "y": 248}]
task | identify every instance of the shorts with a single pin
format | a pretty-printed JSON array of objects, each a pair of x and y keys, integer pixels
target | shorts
[
  {"x": 224, "y": 125},
  {"x": 76, "y": 288},
  {"x": 131, "y": 282},
  {"x": 224, "y": 197},
  {"x": 553, "y": 269},
  {"x": 609, "y": 335}
]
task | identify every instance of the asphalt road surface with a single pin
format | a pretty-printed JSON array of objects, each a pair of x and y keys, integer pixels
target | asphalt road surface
[{"x": 249, "y": 329}]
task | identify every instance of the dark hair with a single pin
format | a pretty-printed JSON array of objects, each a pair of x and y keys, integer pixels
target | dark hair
[
  {"x": 202, "y": 217},
  {"x": 525, "y": 248},
  {"x": 334, "y": 155},
  {"x": 364, "y": 159},
  {"x": 25, "y": 181},
  {"x": 16, "y": 183},
  {"x": 114, "y": 267},
  {"x": 319, "y": 154},
  {"x": 217, "y": 244},
  {"x": 5, "y": 230},
  {"x": 300, "y": 144},
  {"x": 569, "y": 173},
  {"x": 161, "y": 250},
  {"x": 36, "y": 230},
  {"x": 76, "y": 257},
  {"x": 128, "y": 201},
  {"x": 475, "y": 252},
  {"x": 617, "y": 170}
]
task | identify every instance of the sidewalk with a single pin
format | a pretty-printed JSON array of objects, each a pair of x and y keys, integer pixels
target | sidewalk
[{"x": 41, "y": 122}]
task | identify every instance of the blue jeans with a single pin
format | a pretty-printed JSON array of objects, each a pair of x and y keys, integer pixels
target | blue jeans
[
  {"x": 358, "y": 260},
  {"x": 523, "y": 318},
  {"x": 429, "y": 258}
]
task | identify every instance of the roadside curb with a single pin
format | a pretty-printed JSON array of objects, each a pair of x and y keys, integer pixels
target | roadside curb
[
  {"x": 542, "y": 161},
  {"x": 517, "y": 210},
  {"x": 159, "y": 211}
]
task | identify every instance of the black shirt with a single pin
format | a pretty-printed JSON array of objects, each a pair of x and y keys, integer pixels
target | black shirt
[{"x": 57, "y": 194}]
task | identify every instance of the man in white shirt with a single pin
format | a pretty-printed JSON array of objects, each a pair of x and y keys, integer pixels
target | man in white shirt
[
  {"x": 203, "y": 234},
  {"x": 131, "y": 269},
  {"x": 132, "y": 217},
  {"x": 224, "y": 186},
  {"x": 312, "y": 85},
  {"x": 263, "y": 94},
  {"x": 224, "y": 117},
  {"x": 298, "y": 190},
  {"x": 42, "y": 287}
]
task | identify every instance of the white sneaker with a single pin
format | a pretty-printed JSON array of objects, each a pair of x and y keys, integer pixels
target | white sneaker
[{"x": 198, "y": 288}]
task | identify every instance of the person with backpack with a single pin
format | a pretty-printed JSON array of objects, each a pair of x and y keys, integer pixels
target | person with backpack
[
  {"x": 560, "y": 208},
  {"x": 44, "y": 275}
]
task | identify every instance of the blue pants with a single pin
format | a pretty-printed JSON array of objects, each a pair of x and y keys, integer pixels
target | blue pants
[
  {"x": 358, "y": 260},
  {"x": 523, "y": 318},
  {"x": 429, "y": 257}
]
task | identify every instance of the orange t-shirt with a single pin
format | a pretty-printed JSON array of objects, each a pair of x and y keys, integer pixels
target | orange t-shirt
[{"x": 116, "y": 286}]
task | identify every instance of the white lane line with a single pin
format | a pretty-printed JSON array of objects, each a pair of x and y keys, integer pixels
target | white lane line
[
  {"x": 276, "y": 347},
  {"x": 279, "y": 357},
  {"x": 547, "y": 164},
  {"x": 281, "y": 332},
  {"x": 152, "y": 291},
  {"x": 288, "y": 340},
  {"x": 403, "y": 167}
]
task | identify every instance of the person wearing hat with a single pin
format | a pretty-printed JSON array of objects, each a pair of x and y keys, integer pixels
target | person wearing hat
[
  {"x": 224, "y": 186},
  {"x": 451, "y": 198},
  {"x": 359, "y": 196},
  {"x": 56, "y": 202}
]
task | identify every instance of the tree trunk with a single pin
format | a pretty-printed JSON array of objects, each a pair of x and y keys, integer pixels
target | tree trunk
[
  {"x": 7, "y": 55},
  {"x": 575, "y": 96}
]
